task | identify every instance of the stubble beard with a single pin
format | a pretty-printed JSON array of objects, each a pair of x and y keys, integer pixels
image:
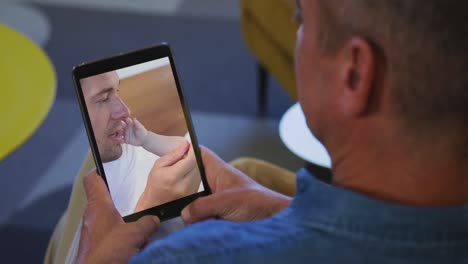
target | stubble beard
[{"x": 111, "y": 153}]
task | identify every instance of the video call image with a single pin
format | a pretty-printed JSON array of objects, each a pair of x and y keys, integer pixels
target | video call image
[{"x": 142, "y": 136}]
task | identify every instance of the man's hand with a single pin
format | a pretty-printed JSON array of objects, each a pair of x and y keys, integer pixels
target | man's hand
[
  {"x": 235, "y": 197},
  {"x": 135, "y": 132},
  {"x": 174, "y": 175},
  {"x": 105, "y": 237}
]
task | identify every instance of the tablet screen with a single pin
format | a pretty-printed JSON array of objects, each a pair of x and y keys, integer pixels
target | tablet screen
[{"x": 141, "y": 135}]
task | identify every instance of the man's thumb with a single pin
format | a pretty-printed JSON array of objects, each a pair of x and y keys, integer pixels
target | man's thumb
[
  {"x": 145, "y": 227},
  {"x": 95, "y": 188},
  {"x": 203, "y": 208}
]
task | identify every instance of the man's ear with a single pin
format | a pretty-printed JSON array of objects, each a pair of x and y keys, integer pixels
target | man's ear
[{"x": 358, "y": 73}]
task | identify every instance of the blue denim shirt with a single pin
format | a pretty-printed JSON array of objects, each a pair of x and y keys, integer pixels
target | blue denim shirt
[{"x": 323, "y": 224}]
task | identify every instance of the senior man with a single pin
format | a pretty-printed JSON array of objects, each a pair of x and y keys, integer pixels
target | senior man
[{"x": 383, "y": 86}]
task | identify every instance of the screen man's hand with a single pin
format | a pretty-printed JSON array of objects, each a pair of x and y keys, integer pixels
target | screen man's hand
[{"x": 173, "y": 176}]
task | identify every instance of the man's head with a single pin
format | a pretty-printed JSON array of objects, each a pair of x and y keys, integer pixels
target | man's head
[
  {"x": 398, "y": 61},
  {"x": 107, "y": 112}
]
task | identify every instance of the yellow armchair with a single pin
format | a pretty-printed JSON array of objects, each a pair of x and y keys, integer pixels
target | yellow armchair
[
  {"x": 27, "y": 90},
  {"x": 270, "y": 33}
]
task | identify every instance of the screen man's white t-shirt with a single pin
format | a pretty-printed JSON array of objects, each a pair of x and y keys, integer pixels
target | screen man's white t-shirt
[{"x": 127, "y": 177}]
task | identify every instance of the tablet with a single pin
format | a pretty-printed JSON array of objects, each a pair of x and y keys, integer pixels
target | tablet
[{"x": 140, "y": 132}]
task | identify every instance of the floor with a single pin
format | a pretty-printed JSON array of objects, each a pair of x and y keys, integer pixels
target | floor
[{"x": 216, "y": 70}]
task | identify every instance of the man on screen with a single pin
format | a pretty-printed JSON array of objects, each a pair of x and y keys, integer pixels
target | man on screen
[{"x": 143, "y": 169}]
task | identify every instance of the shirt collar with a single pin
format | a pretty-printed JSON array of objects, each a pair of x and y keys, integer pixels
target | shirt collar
[{"x": 332, "y": 205}]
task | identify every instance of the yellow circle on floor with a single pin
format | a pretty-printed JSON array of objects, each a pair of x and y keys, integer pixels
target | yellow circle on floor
[{"x": 27, "y": 88}]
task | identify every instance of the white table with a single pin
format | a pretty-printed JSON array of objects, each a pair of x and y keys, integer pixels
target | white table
[{"x": 297, "y": 137}]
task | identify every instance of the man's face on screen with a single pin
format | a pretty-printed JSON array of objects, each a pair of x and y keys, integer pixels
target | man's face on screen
[{"x": 107, "y": 112}]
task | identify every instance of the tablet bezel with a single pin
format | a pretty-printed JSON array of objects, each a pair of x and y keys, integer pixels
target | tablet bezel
[{"x": 170, "y": 209}]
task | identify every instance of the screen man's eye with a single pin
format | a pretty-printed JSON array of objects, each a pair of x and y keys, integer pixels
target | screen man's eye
[{"x": 103, "y": 100}]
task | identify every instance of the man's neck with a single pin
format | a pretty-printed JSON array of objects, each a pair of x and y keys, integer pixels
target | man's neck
[{"x": 432, "y": 175}]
